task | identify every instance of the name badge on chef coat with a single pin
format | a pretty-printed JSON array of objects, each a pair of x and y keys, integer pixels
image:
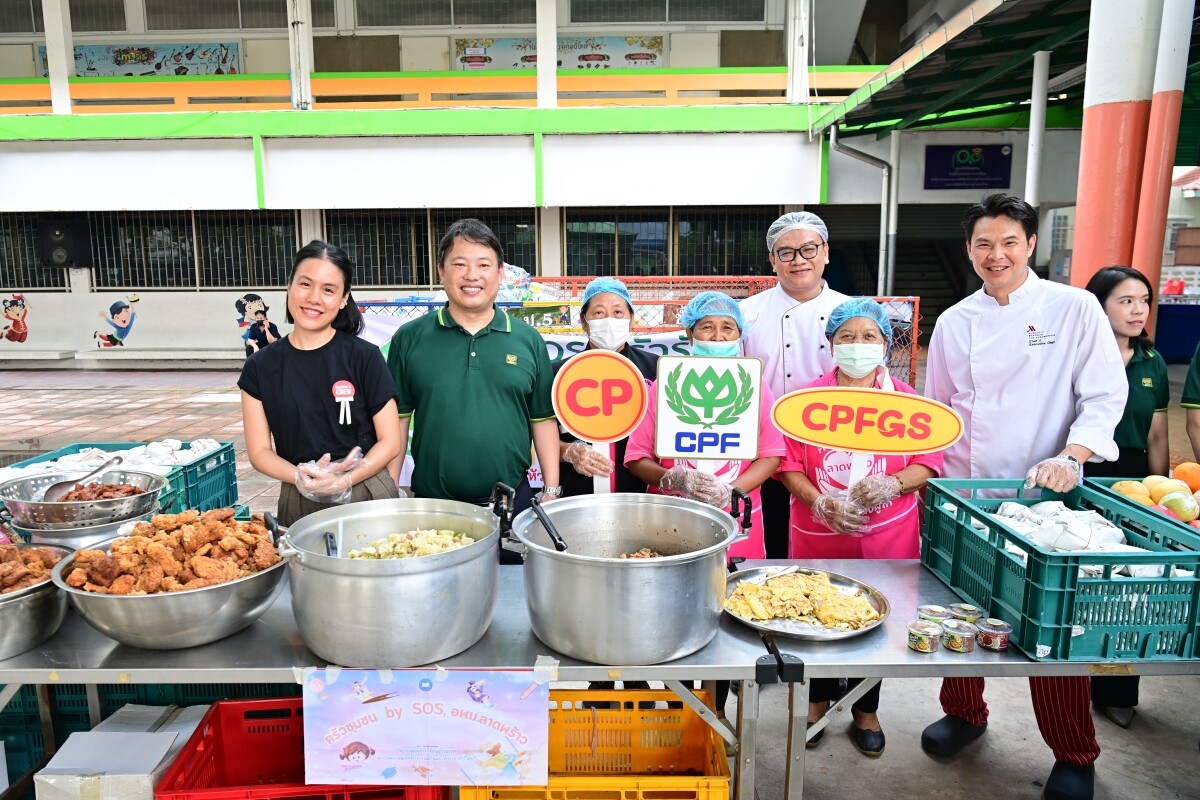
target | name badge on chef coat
[{"x": 1040, "y": 338}]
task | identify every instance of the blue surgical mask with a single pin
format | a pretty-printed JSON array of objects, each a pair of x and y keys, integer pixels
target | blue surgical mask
[{"x": 717, "y": 349}]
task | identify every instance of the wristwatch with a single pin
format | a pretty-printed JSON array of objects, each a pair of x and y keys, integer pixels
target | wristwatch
[{"x": 552, "y": 491}]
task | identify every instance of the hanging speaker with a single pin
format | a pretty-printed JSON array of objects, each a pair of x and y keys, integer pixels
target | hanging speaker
[{"x": 66, "y": 241}]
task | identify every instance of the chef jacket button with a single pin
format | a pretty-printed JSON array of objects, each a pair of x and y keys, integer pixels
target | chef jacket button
[
  {"x": 472, "y": 354},
  {"x": 822, "y": 347},
  {"x": 787, "y": 345},
  {"x": 789, "y": 374},
  {"x": 787, "y": 316}
]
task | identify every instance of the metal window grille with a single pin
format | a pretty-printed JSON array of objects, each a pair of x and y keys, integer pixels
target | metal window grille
[
  {"x": 172, "y": 15},
  {"x": 245, "y": 248},
  {"x": 322, "y": 14},
  {"x": 622, "y": 242},
  {"x": 143, "y": 249},
  {"x": 18, "y": 16},
  {"x": 618, "y": 10},
  {"x": 1062, "y": 234},
  {"x": 387, "y": 247},
  {"x": 516, "y": 228},
  {"x": 491, "y": 12},
  {"x": 716, "y": 11},
  {"x": 20, "y": 258},
  {"x": 397, "y": 13},
  {"x": 722, "y": 241},
  {"x": 96, "y": 15}
]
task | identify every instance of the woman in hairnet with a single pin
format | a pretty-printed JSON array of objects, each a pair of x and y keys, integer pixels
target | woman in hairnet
[
  {"x": 714, "y": 327},
  {"x": 855, "y": 505},
  {"x": 606, "y": 316}
]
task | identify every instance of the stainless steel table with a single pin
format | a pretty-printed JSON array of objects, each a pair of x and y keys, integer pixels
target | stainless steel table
[
  {"x": 884, "y": 652},
  {"x": 271, "y": 651}
]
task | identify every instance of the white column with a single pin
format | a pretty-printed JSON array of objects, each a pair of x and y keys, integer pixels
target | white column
[
  {"x": 135, "y": 16},
  {"x": 547, "y": 48},
  {"x": 312, "y": 225},
  {"x": 60, "y": 53},
  {"x": 300, "y": 50},
  {"x": 550, "y": 238},
  {"x": 893, "y": 211},
  {"x": 796, "y": 41},
  {"x": 1037, "y": 127}
]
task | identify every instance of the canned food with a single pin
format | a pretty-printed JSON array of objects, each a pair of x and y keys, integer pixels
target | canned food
[
  {"x": 938, "y": 614},
  {"x": 958, "y": 635},
  {"x": 966, "y": 612},
  {"x": 923, "y": 635},
  {"x": 993, "y": 633}
]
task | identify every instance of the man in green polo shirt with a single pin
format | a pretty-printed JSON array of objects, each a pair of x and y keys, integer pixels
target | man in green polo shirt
[
  {"x": 477, "y": 381},
  {"x": 1191, "y": 403}
]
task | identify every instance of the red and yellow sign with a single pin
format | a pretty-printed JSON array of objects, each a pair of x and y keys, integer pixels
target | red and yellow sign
[
  {"x": 600, "y": 396},
  {"x": 867, "y": 421}
]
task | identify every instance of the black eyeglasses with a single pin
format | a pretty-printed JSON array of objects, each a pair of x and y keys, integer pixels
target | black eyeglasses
[{"x": 786, "y": 254}]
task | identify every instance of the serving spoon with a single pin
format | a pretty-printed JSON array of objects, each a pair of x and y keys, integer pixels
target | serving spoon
[{"x": 56, "y": 490}]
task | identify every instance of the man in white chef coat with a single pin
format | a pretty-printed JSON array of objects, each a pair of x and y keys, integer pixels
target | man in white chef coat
[
  {"x": 1035, "y": 373},
  {"x": 785, "y": 327}
]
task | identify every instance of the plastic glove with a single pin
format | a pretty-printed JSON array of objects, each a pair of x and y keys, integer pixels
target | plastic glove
[
  {"x": 875, "y": 490},
  {"x": 586, "y": 461},
  {"x": 1058, "y": 474},
  {"x": 696, "y": 485},
  {"x": 326, "y": 481},
  {"x": 840, "y": 516}
]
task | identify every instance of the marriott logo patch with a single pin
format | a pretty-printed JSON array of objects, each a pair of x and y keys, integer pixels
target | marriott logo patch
[{"x": 1039, "y": 338}]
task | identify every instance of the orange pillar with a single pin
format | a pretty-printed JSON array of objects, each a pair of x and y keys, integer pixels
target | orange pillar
[{"x": 1122, "y": 41}]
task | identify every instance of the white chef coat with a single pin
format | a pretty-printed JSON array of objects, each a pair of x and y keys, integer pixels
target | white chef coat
[
  {"x": 1028, "y": 378},
  {"x": 789, "y": 336}
]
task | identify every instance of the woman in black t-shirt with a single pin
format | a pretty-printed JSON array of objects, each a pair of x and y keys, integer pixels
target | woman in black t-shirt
[{"x": 318, "y": 406}]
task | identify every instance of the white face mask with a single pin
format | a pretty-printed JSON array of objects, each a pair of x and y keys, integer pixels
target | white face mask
[
  {"x": 608, "y": 333},
  {"x": 858, "y": 360}
]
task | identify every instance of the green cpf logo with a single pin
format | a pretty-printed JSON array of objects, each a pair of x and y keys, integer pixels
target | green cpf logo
[
  {"x": 968, "y": 156},
  {"x": 709, "y": 398}
]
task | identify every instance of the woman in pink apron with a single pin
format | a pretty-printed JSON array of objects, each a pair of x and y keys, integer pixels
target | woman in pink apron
[{"x": 855, "y": 505}]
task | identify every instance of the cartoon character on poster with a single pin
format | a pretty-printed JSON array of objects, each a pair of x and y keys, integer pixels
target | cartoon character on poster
[
  {"x": 354, "y": 754},
  {"x": 16, "y": 325},
  {"x": 120, "y": 318},
  {"x": 511, "y": 765},
  {"x": 247, "y": 305}
]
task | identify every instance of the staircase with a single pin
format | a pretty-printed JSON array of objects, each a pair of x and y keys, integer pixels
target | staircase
[{"x": 938, "y": 272}]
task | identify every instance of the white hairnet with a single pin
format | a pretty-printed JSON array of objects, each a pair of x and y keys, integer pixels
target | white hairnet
[{"x": 794, "y": 221}]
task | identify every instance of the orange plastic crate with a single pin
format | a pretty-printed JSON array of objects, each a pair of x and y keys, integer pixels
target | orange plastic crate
[{"x": 629, "y": 753}]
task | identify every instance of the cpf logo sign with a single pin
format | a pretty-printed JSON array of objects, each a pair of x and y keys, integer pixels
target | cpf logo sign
[{"x": 707, "y": 408}]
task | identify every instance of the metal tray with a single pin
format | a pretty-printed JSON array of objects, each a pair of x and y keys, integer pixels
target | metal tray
[{"x": 794, "y": 629}]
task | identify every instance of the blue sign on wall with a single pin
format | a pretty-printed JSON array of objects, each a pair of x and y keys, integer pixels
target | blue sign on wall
[{"x": 968, "y": 166}]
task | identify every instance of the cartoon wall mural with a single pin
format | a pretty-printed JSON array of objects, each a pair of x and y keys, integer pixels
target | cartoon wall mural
[
  {"x": 120, "y": 317},
  {"x": 257, "y": 330},
  {"x": 16, "y": 324}
]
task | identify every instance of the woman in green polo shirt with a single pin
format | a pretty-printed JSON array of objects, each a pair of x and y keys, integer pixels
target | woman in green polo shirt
[{"x": 1141, "y": 435}]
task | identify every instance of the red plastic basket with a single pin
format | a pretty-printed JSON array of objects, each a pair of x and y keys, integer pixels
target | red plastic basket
[{"x": 254, "y": 750}]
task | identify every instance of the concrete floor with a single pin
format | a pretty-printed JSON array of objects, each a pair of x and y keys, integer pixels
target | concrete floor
[{"x": 1156, "y": 758}]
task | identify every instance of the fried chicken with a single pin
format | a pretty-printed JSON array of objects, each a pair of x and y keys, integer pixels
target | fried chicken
[{"x": 22, "y": 567}]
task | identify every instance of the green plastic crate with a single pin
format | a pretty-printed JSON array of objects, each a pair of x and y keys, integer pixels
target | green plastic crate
[
  {"x": 1104, "y": 486},
  {"x": 211, "y": 480},
  {"x": 1056, "y": 614},
  {"x": 22, "y": 752}
]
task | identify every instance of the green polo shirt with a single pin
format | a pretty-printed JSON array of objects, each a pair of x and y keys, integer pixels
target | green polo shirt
[
  {"x": 472, "y": 399},
  {"x": 1191, "y": 385},
  {"x": 1149, "y": 393}
]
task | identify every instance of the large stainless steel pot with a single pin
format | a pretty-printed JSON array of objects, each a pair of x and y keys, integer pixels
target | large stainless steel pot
[
  {"x": 32, "y": 615},
  {"x": 394, "y": 612},
  {"x": 589, "y": 603},
  {"x": 78, "y": 538}
]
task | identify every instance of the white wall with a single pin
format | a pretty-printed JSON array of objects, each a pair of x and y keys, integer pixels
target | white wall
[
  {"x": 694, "y": 50},
  {"x": 266, "y": 55},
  {"x": 424, "y": 53},
  {"x": 16, "y": 61},
  {"x": 852, "y": 181}
]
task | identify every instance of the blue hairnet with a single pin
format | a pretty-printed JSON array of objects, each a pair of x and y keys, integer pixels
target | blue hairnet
[
  {"x": 795, "y": 221},
  {"x": 602, "y": 285},
  {"x": 859, "y": 307},
  {"x": 711, "y": 304}
]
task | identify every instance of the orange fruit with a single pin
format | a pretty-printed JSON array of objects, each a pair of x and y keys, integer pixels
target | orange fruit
[{"x": 1189, "y": 473}]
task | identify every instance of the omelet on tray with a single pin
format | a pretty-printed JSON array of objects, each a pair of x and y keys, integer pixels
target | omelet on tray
[{"x": 808, "y": 598}]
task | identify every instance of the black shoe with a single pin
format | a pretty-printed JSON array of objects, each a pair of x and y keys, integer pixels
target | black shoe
[
  {"x": 1071, "y": 782},
  {"x": 869, "y": 743},
  {"x": 816, "y": 738},
  {"x": 1120, "y": 716},
  {"x": 949, "y": 735}
]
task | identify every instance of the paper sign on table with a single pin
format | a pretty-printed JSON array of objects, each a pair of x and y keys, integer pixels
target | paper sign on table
[{"x": 426, "y": 727}]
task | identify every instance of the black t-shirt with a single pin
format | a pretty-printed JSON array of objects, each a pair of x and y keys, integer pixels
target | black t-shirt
[
  {"x": 575, "y": 484},
  {"x": 259, "y": 335},
  {"x": 296, "y": 388}
]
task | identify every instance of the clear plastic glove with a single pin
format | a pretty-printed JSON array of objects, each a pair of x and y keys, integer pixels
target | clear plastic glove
[
  {"x": 840, "y": 516},
  {"x": 326, "y": 481},
  {"x": 875, "y": 490},
  {"x": 1058, "y": 474},
  {"x": 696, "y": 485},
  {"x": 586, "y": 461}
]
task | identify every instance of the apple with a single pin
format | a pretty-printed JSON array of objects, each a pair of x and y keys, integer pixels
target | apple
[
  {"x": 1164, "y": 510},
  {"x": 1195, "y": 524}
]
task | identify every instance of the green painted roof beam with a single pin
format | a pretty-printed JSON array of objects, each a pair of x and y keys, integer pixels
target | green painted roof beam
[{"x": 1048, "y": 43}]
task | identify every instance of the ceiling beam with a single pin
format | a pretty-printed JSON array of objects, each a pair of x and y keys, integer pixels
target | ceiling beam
[{"x": 1047, "y": 43}]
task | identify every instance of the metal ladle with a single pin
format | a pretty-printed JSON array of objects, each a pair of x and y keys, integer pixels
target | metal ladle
[
  {"x": 56, "y": 490},
  {"x": 555, "y": 537}
]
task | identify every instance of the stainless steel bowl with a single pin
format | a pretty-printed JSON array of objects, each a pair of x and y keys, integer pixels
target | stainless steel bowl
[
  {"x": 175, "y": 620},
  {"x": 22, "y": 498},
  {"x": 31, "y": 616},
  {"x": 78, "y": 538}
]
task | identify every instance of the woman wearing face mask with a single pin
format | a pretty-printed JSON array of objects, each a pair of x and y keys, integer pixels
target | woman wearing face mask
[
  {"x": 855, "y": 505},
  {"x": 714, "y": 327},
  {"x": 606, "y": 316}
]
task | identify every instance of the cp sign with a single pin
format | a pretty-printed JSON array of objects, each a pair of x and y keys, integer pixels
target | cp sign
[{"x": 599, "y": 396}]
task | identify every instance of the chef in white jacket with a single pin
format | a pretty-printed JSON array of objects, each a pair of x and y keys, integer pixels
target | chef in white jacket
[
  {"x": 785, "y": 328},
  {"x": 1040, "y": 387}
]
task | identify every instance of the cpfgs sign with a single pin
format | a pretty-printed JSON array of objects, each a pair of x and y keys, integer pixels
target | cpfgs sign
[{"x": 707, "y": 408}]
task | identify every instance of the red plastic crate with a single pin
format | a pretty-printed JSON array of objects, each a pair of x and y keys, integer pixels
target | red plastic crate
[{"x": 254, "y": 750}]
